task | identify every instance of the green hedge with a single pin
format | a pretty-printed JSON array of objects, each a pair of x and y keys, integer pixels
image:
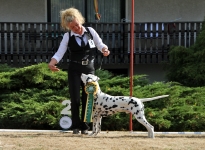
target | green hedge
[{"x": 31, "y": 98}]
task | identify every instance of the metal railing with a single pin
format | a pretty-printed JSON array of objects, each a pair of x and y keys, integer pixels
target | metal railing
[{"x": 24, "y": 44}]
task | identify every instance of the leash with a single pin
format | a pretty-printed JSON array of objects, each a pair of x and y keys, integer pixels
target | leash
[{"x": 100, "y": 64}]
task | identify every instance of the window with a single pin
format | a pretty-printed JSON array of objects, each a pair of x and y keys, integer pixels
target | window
[
  {"x": 58, "y": 5},
  {"x": 110, "y": 10}
]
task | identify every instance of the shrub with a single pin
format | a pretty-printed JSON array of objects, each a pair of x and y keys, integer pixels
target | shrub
[
  {"x": 186, "y": 65},
  {"x": 6, "y": 68},
  {"x": 31, "y": 98}
]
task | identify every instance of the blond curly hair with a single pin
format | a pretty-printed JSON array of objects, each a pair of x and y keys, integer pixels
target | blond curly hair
[{"x": 68, "y": 15}]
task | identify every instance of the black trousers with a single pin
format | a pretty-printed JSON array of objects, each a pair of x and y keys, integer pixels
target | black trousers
[{"x": 75, "y": 85}]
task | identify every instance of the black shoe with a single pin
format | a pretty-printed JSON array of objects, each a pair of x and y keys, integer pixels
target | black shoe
[
  {"x": 84, "y": 132},
  {"x": 75, "y": 131}
]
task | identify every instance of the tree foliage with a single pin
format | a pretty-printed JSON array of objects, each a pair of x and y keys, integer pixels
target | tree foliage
[{"x": 186, "y": 65}]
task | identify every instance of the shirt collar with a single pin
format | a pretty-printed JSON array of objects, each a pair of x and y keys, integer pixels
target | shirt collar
[{"x": 84, "y": 31}]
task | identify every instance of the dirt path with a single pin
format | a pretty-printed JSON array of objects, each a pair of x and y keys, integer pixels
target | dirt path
[{"x": 104, "y": 141}]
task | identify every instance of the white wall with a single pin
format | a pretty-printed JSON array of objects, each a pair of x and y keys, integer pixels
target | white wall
[
  {"x": 166, "y": 10},
  {"x": 23, "y": 10}
]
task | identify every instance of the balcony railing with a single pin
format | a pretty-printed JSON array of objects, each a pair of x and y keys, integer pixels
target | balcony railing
[{"x": 24, "y": 44}]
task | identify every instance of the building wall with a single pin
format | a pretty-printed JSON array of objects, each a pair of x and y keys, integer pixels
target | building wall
[
  {"x": 23, "y": 10},
  {"x": 154, "y": 72},
  {"x": 145, "y": 11},
  {"x": 163, "y": 11},
  {"x": 166, "y": 10}
]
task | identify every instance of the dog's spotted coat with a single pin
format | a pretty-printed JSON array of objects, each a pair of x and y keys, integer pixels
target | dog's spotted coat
[{"x": 105, "y": 105}]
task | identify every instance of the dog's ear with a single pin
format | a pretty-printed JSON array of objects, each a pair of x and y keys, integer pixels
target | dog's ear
[
  {"x": 92, "y": 78},
  {"x": 96, "y": 78}
]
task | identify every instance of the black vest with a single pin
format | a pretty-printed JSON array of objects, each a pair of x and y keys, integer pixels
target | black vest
[{"x": 76, "y": 52}]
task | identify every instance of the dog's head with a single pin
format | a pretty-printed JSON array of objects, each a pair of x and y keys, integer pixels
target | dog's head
[{"x": 86, "y": 78}]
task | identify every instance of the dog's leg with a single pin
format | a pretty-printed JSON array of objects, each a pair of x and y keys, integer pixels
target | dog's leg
[
  {"x": 141, "y": 118},
  {"x": 94, "y": 125},
  {"x": 96, "y": 121},
  {"x": 98, "y": 124}
]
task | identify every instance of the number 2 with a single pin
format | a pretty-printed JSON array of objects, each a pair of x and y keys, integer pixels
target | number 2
[{"x": 66, "y": 110}]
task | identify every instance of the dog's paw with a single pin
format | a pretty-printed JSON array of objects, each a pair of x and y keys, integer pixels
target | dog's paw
[{"x": 93, "y": 134}]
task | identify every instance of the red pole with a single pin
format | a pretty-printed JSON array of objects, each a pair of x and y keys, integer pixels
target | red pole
[{"x": 131, "y": 56}]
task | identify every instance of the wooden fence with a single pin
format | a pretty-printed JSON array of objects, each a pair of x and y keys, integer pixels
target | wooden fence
[{"x": 24, "y": 44}]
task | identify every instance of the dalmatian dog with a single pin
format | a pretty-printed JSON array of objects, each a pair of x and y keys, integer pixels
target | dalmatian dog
[{"x": 105, "y": 105}]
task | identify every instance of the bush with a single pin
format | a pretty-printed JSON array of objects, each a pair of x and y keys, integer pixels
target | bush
[
  {"x": 186, "y": 65},
  {"x": 31, "y": 98},
  {"x": 33, "y": 76},
  {"x": 6, "y": 68}
]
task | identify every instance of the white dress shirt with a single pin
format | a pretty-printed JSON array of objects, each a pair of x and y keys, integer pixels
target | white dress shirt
[{"x": 64, "y": 43}]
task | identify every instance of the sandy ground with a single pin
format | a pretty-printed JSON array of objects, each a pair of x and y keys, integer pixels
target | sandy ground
[{"x": 104, "y": 141}]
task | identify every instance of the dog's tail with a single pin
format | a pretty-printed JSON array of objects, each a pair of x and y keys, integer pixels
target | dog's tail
[{"x": 153, "y": 98}]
